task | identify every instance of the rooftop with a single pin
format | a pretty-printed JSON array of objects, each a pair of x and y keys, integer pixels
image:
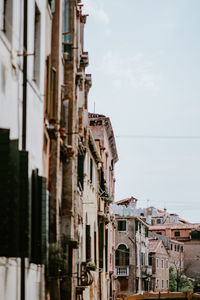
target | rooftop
[{"x": 126, "y": 201}]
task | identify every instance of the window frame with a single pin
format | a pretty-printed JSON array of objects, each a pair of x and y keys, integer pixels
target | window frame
[
  {"x": 157, "y": 283},
  {"x": 162, "y": 284},
  {"x": 118, "y": 221},
  {"x": 177, "y": 233},
  {"x": 162, "y": 263},
  {"x": 157, "y": 263}
]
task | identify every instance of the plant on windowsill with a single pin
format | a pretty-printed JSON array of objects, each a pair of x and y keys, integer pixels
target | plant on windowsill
[
  {"x": 90, "y": 266},
  {"x": 107, "y": 197}
]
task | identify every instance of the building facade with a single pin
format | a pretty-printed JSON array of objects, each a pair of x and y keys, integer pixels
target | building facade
[
  {"x": 132, "y": 270},
  {"x": 159, "y": 259},
  {"x": 102, "y": 132},
  {"x": 23, "y": 187}
]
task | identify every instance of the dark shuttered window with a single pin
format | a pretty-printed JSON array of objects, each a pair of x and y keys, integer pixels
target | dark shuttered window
[
  {"x": 121, "y": 225},
  {"x": 80, "y": 171},
  {"x": 88, "y": 243},
  {"x": 122, "y": 255},
  {"x": 39, "y": 219},
  {"x": 101, "y": 245},
  {"x": 14, "y": 204}
]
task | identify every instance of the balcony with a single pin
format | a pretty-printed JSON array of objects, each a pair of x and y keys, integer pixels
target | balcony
[
  {"x": 122, "y": 270},
  {"x": 147, "y": 270}
]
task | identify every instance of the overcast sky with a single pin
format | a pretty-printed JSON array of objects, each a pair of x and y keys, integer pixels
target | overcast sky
[{"x": 145, "y": 64}]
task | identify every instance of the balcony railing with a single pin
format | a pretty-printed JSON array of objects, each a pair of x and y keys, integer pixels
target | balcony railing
[
  {"x": 122, "y": 270},
  {"x": 147, "y": 270}
]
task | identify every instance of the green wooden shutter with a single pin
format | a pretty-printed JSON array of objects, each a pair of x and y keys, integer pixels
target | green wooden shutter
[
  {"x": 106, "y": 249},
  {"x": 4, "y": 192},
  {"x": 88, "y": 243},
  {"x": 14, "y": 205},
  {"x": 44, "y": 220},
  {"x": 91, "y": 170},
  {"x": 124, "y": 225},
  {"x": 101, "y": 245},
  {"x": 146, "y": 231},
  {"x": 127, "y": 256},
  {"x": 14, "y": 209},
  {"x": 95, "y": 247},
  {"x": 117, "y": 257},
  {"x": 36, "y": 220},
  {"x": 136, "y": 225},
  {"x": 81, "y": 170},
  {"x": 25, "y": 234},
  {"x": 39, "y": 219}
]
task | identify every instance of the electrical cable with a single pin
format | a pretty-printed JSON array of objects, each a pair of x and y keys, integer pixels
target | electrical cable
[{"x": 159, "y": 137}]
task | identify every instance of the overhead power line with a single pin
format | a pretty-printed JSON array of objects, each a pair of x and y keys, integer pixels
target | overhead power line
[{"x": 178, "y": 137}]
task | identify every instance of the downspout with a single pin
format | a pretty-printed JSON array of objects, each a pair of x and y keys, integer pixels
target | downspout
[
  {"x": 24, "y": 114},
  {"x": 24, "y": 120}
]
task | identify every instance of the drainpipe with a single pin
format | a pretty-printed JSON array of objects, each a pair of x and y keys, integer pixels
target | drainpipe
[
  {"x": 24, "y": 115},
  {"x": 24, "y": 120}
]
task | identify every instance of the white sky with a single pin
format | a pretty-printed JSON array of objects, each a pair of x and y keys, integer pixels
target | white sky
[{"x": 145, "y": 64}]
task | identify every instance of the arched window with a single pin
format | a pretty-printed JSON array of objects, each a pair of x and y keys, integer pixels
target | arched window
[{"x": 122, "y": 256}]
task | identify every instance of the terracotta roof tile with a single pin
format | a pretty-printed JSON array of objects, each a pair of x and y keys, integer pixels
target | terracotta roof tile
[{"x": 126, "y": 200}]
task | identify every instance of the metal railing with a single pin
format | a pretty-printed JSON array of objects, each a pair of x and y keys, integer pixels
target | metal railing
[{"x": 122, "y": 270}]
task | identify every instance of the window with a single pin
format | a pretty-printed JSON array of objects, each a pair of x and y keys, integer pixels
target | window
[
  {"x": 6, "y": 8},
  {"x": 101, "y": 245},
  {"x": 122, "y": 256},
  {"x": 162, "y": 263},
  {"x": 178, "y": 247},
  {"x": 167, "y": 284},
  {"x": 150, "y": 259},
  {"x": 136, "y": 225},
  {"x": 142, "y": 259},
  {"x": 88, "y": 243},
  {"x": 146, "y": 231},
  {"x": 121, "y": 225},
  {"x": 157, "y": 263},
  {"x": 167, "y": 263},
  {"x": 174, "y": 247},
  {"x": 181, "y": 248},
  {"x": 159, "y": 232},
  {"x": 178, "y": 263},
  {"x": 80, "y": 169},
  {"x": 36, "y": 66},
  {"x": 157, "y": 283},
  {"x": 95, "y": 247},
  {"x": 106, "y": 249},
  {"x": 177, "y": 233},
  {"x": 91, "y": 170},
  {"x": 181, "y": 263},
  {"x": 52, "y": 5},
  {"x": 162, "y": 284},
  {"x": 158, "y": 221},
  {"x": 171, "y": 246}
]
